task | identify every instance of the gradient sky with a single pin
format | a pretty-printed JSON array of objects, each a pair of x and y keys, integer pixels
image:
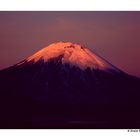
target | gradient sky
[{"x": 113, "y": 35}]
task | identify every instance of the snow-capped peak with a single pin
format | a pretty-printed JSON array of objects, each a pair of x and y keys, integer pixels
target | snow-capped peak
[{"x": 73, "y": 54}]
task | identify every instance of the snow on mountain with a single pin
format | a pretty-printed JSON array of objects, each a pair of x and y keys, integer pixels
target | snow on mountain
[
  {"x": 38, "y": 93},
  {"x": 74, "y": 54}
]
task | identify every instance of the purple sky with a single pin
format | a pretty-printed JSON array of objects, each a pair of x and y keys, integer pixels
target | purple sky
[{"x": 113, "y": 35}]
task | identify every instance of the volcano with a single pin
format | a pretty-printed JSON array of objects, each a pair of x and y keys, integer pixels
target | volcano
[{"x": 66, "y": 85}]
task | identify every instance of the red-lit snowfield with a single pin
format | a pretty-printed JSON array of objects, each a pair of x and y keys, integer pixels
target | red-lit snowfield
[{"x": 72, "y": 53}]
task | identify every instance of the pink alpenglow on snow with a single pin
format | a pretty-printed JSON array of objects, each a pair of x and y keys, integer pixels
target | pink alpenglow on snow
[{"x": 73, "y": 54}]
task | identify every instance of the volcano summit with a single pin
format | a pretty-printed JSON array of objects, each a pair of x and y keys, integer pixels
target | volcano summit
[
  {"x": 65, "y": 85},
  {"x": 73, "y": 54}
]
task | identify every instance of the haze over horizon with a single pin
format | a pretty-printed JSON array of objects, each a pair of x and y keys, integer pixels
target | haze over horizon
[{"x": 112, "y": 35}]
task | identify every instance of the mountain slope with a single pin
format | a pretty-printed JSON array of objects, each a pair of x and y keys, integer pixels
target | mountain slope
[{"x": 64, "y": 84}]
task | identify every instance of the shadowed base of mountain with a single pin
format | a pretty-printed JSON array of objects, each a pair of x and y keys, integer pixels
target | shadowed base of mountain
[{"x": 53, "y": 95}]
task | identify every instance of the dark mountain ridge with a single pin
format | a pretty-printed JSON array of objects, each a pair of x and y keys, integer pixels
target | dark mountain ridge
[
  {"x": 67, "y": 86},
  {"x": 50, "y": 91}
]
